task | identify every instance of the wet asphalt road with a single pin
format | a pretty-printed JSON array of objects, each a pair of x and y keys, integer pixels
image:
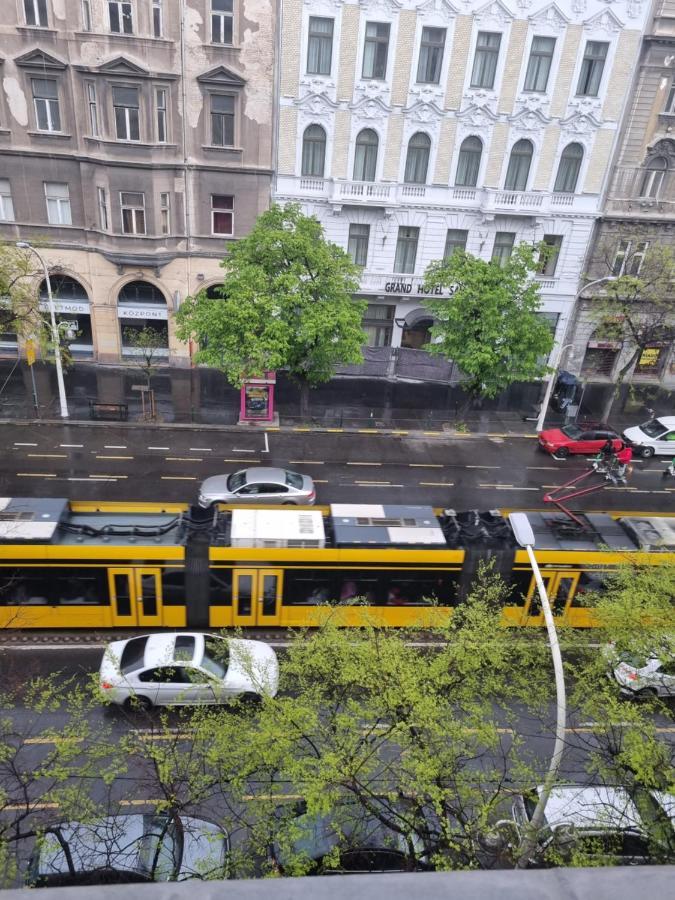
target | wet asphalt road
[{"x": 114, "y": 462}]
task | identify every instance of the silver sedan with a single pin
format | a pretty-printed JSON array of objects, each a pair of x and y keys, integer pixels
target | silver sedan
[{"x": 258, "y": 484}]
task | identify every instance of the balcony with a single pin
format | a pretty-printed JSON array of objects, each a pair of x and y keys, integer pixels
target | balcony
[
  {"x": 390, "y": 195},
  {"x": 627, "y": 185}
]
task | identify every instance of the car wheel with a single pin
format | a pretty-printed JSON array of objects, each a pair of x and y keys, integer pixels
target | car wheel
[
  {"x": 138, "y": 703},
  {"x": 647, "y": 452},
  {"x": 250, "y": 700},
  {"x": 646, "y": 693},
  {"x": 562, "y": 453},
  {"x": 289, "y": 503}
]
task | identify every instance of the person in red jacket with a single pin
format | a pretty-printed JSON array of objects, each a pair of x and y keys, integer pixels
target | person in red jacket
[{"x": 623, "y": 457}]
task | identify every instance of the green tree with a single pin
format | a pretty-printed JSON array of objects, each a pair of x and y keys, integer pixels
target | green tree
[
  {"x": 286, "y": 303},
  {"x": 489, "y": 327}
]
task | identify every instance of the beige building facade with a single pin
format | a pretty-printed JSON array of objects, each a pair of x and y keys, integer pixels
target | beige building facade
[
  {"x": 411, "y": 128},
  {"x": 136, "y": 143}
]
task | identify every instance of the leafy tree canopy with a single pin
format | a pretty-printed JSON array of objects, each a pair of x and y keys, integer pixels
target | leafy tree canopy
[
  {"x": 286, "y": 302},
  {"x": 489, "y": 326}
]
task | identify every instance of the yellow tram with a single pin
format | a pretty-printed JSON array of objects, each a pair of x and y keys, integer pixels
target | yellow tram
[{"x": 83, "y": 566}]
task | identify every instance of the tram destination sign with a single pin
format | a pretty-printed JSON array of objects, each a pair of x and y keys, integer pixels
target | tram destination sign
[{"x": 417, "y": 287}]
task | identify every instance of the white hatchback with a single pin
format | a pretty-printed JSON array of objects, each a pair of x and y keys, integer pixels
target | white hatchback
[
  {"x": 187, "y": 669},
  {"x": 656, "y": 436}
]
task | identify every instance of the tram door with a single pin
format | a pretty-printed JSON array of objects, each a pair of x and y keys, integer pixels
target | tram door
[
  {"x": 256, "y": 596},
  {"x": 560, "y": 588},
  {"x": 136, "y": 596}
]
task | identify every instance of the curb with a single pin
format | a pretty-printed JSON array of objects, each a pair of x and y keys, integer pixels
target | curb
[{"x": 316, "y": 429}]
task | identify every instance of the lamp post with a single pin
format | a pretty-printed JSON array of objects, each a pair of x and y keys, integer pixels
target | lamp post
[
  {"x": 554, "y": 374},
  {"x": 24, "y": 245},
  {"x": 524, "y": 535}
]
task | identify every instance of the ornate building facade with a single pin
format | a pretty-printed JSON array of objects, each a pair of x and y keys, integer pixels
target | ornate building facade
[{"x": 411, "y": 128}]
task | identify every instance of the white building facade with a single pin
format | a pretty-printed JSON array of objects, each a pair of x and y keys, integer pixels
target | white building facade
[{"x": 412, "y": 128}]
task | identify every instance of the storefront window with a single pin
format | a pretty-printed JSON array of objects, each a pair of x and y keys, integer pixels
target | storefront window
[
  {"x": 377, "y": 324},
  {"x": 73, "y": 313},
  {"x": 141, "y": 308},
  {"x": 649, "y": 362}
]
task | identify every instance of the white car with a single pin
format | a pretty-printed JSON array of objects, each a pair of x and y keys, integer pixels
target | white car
[
  {"x": 656, "y": 436},
  {"x": 187, "y": 669},
  {"x": 640, "y": 677}
]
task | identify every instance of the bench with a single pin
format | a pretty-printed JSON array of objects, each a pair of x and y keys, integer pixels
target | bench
[{"x": 109, "y": 412}]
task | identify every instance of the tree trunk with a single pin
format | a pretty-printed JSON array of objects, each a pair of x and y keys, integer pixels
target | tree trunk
[
  {"x": 607, "y": 411},
  {"x": 304, "y": 400}
]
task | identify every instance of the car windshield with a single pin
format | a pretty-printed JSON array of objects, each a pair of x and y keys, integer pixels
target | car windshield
[
  {"x": 653, "y": 428},
  {"x": 132, "y": 655},
  {"x": 572, "y": 431},
  {"x": 215, "y": 659},
  {"x": 234, "y": 482},
  {"x": 161, "y": 849},
  {"x": 294, "y": 480}
]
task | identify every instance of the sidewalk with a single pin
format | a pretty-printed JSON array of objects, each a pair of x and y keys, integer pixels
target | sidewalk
[{"x": 203, "y": 397}]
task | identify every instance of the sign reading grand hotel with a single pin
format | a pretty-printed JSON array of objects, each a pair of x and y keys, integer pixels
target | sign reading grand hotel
[{"x": 406, "y": 287}]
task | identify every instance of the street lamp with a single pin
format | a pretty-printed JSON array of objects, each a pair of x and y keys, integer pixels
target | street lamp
[
  {"x": 559, "y": 355},
  {"x": 524, "y": 535},
  {"x": 24, "y": 245}
]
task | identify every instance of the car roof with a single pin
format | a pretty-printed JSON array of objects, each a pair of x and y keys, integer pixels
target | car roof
[
  {"x": 160, "y": 648},
  {"x": 591, "y": 807},
  {"x": 668, "y": 421},
  {"x": 262, "y": 474}
]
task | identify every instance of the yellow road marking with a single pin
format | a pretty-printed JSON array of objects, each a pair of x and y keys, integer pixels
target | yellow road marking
[
  {"x": 368, "y": 431},
  {"x": 363, "y": 464},
  {"x": 15, "y": 806},
  {"x": 302, "y": 428},
  {"x": 399, "y": 432},
  {"x": 306, "y": 462},
  {"x": 434, "y": 433},
  {"x": 334, "y": 430},
  {"x": 49, "y": 455},
  {"x": 35, "y": 475},
  {"x": 179, "y": 477}
]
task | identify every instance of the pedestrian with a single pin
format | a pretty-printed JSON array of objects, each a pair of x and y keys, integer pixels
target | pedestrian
[
  {"x": 670, "y": 469},
  {"x": 623, "y": 458}
]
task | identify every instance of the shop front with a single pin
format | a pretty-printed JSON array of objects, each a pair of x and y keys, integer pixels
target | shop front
[
  {"x": 142, "y": 310},
  {"x": 73, "y": 313}
]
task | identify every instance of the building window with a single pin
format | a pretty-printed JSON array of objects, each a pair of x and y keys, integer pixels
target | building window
[
  {"x": 455, "y": 240},
  {"x": 222, "y": 120},
  {"x": 549, "y": 259},
  {"x": 629, "y": 257},
  {"x": 417, "y": 160},
  {"x": 93, "y": 109},
  {"x": 57, "y": 196},
  {"x": 125, "y": 106},
  {"x": 46, "y": 102},
  {"x": 503, "y": 246},
  {"x": 670, "y": 102},
  {"x": 36, "y": 13},
  {"x": 165, "y": 213},
  {"x": 377, "y": 324},
  {"x": 6, "y": 204},
  {"x": 431, "y": 55},
  {"x": 406, "y": 249},
  {"x": 103, "y": 218},
  {"x": 314, "y": 151},
  {"x": 157, "y": 23},
  {"x": 222, "y": 21},
  {"x": 222, "y": 214},
  {"x": 568, "y": 170},
  {"x": 133, "y": 213},
  {"x": 160, "y": 108},
  {"x": 86, "y": 15},
  {"x": 519, "y": 166},
  {"x": 652, "y": 180},
  {"x": 539, "y": 64},
  {"x": 375, "y": 50},
  {"x": 469, "y": 162},
  {"x": 365, "y": 155},
  {"x": 357, "y": 246},
  {"x": 592, "y": 67},
  {"x": 119, "y": 15},
  {"x": 319, "y": 46},
  {"x": 485, "y": 60}
]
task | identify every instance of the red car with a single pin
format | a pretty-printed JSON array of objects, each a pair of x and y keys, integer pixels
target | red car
[{"x": 587, "y": 439}]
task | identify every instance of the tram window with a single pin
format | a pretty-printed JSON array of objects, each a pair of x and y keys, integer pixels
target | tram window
[
  {"x": 173, "y": 587},
  {"x": 220, "y": 587},
  {"x": 122, "y": 595},
  {"x": 521, "y": 579},
  {"x": 590, "y": 584},
  {"x": 35, "y": 586},
  {"x": 562, "y": 593},
  {"x": 421, "y": 590},
  {"x": 357, "y": 586},
  {"x": 149, "y": 595},
  {"x": 308, "y": 587}
]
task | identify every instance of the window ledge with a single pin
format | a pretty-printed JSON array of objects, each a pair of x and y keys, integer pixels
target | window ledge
[
  {"x": 147, "y": 146},
  {"x": 234, "y": 151},
  {"x": 52, "y": 135},
  {"x": 42, "y": 29},
  {"x": 217, "y": 46},
  {"x": 96, "y": 35}
]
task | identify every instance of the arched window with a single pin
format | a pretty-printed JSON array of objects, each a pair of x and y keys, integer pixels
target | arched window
[
  {"x": 64, "y": 288},
  {"x": 140, "y": 293},
  {"x": 313, "y": 151},
  {"x": 469, "y": 162},
  {"x": 568, "y": 170},
  {"x": 142, "y": 313},
  {"x": 519, "y": 166},
  {"x": 417, "y": 161},
  {"x": 655, "y": 172},
  {"x": 365, "y": 156},
  {"x": 214, "y": 292},
  {"x": 71, "y": 305}
]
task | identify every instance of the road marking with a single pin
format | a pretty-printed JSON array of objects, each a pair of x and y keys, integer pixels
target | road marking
[
  {"x": 20, "y": 444},
  {"x": 340, "y": 430},
  {"x": 378, "y": 484},
  {"x": 178, "y": 477},
  {"x": 437, "y": 483},
  {"x": 367, "y": 430},
  {"x": 543, "y": 468},
  {"x": 159, "y": 448},
  {"x": 199, "y": 449},
  {"x": 183, "y": 459},
  {"x": 71, "y": 445},
  {"x": 48, "y": 455},
  {"x": 267, "y": 444},
  {"x": 239, "y": 460},
  {"x": 113, "y": 477},
  {"x": 241, "y": 450},
  {"x": 426, "y": 465},
  {"x": 394, "y": 432},
  {"x": 363, "y": 464},
  {"x": 306, "y": 462},
  {"x": 98, "y": 478},
  {"x": 483, "y": 467},
  {"x": 114, "y": 446},
  {"x": 508, "y": 487},
  {"x": 436, "y": 433},
  {"x": 103, "y": 456},
  {"x": 303, "y": 428},
  {"x": 16, "y": 806},
  {"x": 320, "y": 480},
  {"x": 35, "y": 475}
]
